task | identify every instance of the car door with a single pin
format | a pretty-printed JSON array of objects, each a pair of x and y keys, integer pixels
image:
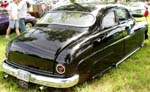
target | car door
[
  {"x": 111, "y": 48},
  {"x": 3, "y": 22},
  {"x": 131, "y": 38},
  {"x": 104, "y": 48}
]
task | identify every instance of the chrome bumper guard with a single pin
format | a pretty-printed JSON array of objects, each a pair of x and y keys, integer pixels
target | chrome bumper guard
[{"x": 43, "y": 80}]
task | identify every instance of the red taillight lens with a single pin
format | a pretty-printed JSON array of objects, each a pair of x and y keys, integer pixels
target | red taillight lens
[{"x": 60, "y": 69}]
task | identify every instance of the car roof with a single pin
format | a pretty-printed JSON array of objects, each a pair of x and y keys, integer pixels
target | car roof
[
  {"x": 85, "y": 7},
  {"x": 77, "y": 7},
  {"x": 91, "y": 8}
]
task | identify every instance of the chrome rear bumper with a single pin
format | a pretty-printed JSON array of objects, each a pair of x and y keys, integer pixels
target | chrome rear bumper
[{"x": 43, "y": 80}]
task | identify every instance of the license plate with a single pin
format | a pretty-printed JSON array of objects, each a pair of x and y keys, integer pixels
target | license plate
[
  {"x": 138, "y": 11},
  {"x": 23, "y": 75},
  {"x": 23, "y": 84}
]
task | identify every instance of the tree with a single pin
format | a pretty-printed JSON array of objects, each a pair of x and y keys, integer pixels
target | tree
[
  {"x": 116, "y": 1},
  {"x": 72, "y": 1}
]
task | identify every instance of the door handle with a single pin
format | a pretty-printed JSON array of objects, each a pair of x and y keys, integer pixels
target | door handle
[
  {"x": 127, "y": 28},
  {"x": 98, "y": 41}
]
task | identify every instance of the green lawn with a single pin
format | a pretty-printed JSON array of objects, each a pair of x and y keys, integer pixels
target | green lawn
[{"x": 133, "y": 75}]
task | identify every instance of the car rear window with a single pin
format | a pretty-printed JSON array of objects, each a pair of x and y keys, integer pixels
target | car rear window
[{"x": 81, "y": 19}]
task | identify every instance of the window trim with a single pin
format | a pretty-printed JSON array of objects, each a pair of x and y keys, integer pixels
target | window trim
[
  {"x": 110, "y": 10},
  {"x": 123, "y": 9}
]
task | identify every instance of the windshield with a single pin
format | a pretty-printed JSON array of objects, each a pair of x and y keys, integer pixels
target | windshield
[
  {"x": 142, "y": 5},
  {"x": 68, "y": 18}
]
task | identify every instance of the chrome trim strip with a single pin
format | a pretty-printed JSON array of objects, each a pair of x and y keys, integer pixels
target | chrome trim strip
[
  {"x": 99, "y": 74},
  {"x": 44, "y": 80},
  {"x": 127, "y": 56},
  {"x": 89, "y": 38},
  {"x": 94, "y": 53}
]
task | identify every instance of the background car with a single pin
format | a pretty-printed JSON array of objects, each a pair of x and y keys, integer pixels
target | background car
[
  {"x": 137, "y": 8},
  {"x": 4, "y": 21},
  {"x": 74, "y": 43}
]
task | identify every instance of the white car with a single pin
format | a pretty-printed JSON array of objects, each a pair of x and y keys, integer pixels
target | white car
[{"x": 137, "y": 8}]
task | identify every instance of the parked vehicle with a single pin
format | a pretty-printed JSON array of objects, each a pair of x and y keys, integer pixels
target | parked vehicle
[
  {"x": 80, "y": 44},
  {"x": 4, "y": 21},
  {"x": 137, "y": 8}
]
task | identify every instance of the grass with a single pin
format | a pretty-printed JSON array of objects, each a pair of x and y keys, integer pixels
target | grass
[{"x": 133, "y": 75}]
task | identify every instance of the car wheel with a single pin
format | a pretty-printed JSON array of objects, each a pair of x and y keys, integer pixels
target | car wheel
[{"x": 28, "y": 26}]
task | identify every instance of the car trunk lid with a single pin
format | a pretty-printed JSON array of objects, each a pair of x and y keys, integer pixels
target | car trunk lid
[{"x": 36, "y": 49}]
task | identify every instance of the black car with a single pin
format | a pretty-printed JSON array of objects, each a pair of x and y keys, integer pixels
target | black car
[{"x": 74, "y": 43}]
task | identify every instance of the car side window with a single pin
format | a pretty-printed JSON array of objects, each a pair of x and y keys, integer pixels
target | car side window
[
  {"x": 109, "y": 20},
  {"x": 122, "y": 14}
]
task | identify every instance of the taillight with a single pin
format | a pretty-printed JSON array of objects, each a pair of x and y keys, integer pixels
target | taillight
[{"x": 60, "y": 68}]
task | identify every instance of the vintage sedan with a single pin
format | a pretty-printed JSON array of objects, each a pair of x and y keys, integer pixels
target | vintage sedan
[
  {"x": 137, "y": 9},
  {"x": 4, "y": 21},
  {"x": 74, "y": 43}
]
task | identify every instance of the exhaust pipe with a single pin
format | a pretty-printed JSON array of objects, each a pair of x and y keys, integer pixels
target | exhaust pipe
[
  {"x": 41, "y": 88},
  {"x": 5, "y": 76}
]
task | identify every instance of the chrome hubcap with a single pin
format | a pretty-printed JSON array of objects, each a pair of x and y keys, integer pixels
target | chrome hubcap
[{"x": 28, "y": 26}]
